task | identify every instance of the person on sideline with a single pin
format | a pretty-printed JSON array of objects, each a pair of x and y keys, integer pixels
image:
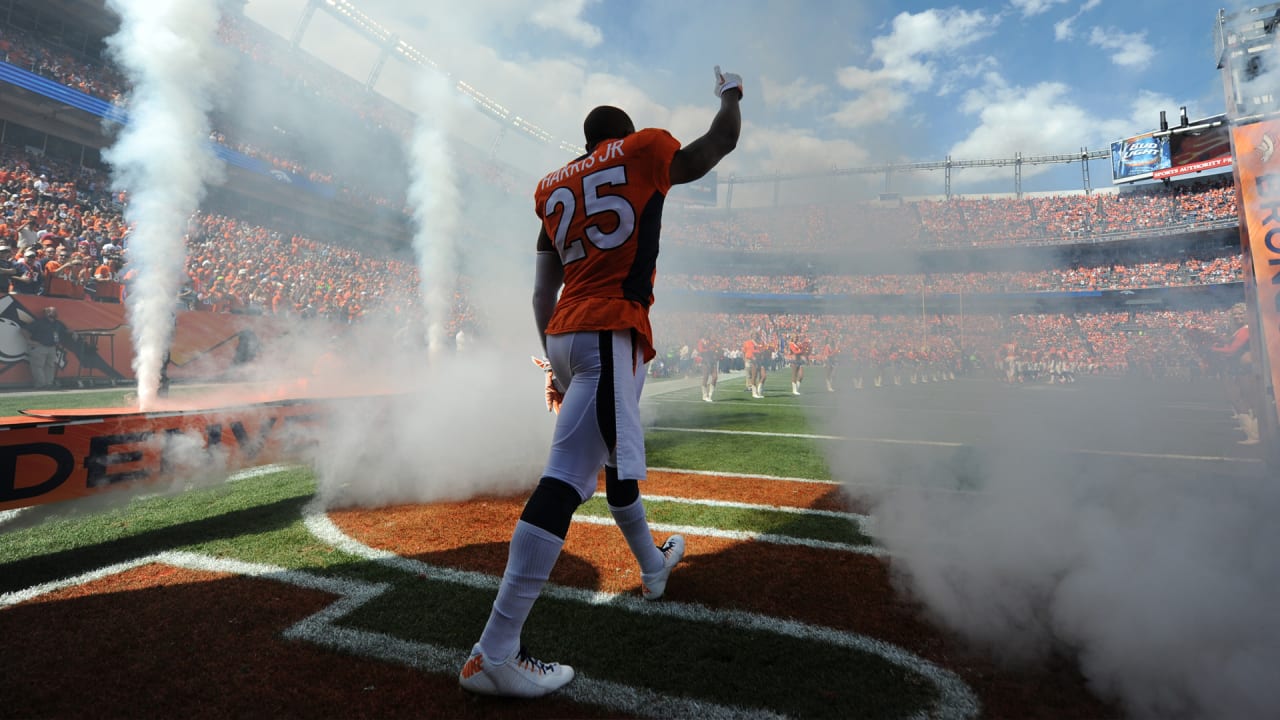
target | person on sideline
[
  {"x": 799, "y": 349},
  {"x": 46, "y": 334},
  {"x": 600, "y": 216},
  {"x": 1239, "y": 366},
  {"x": 749, "y": 351},
  {"x": 709, "y": 356}
]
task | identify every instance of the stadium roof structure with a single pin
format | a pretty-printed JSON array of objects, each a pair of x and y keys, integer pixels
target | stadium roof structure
[
  {"x": 394, "y": 47},
  {"x": 1017, "y": 162}
]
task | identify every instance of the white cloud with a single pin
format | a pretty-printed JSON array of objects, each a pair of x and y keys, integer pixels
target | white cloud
[
  {"x": 793, "y": 95},
  {"x": 1043, "y": 119},
  {"x": 1035, "y": 7},
  {"x": 789, "y": 150},
  {"x": 1064, "y": 29},
  {"x": 907, "y": 60},
  {"x": 1130, "y": 49},
  {"x": 874, "y": 105},
  {"x": 565, "y": 16}
]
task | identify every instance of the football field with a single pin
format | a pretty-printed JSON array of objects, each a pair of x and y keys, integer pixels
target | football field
[{"x": 839, "y": 565}]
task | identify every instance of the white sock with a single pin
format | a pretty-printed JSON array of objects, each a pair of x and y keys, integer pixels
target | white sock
[
  {"x": 530, "y": 558},
  {"x": 635, "y": 528}
]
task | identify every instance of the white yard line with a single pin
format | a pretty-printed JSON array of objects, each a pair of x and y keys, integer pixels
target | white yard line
[
  {"x": 744, "y": 536},
  {"x": 751, "y": 476},
  {"x": 956, "y": 698},
  {"x": 938, "y": 443}
]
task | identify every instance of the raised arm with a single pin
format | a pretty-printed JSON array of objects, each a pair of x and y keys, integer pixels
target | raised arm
[{"x": 698, "y": 157}]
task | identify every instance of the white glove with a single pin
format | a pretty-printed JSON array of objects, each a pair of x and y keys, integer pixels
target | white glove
[
  {"x": 553, "y": 395},
  {"x": 727, "y": 81}
]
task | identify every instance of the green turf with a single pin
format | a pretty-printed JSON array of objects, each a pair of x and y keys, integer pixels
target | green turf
[
  {"x": 747, "y": 668},
  {"x": 12, "y": 404},
  {"x": 810, "y": 527},
  {"x": 259, "y": 519},
  {"x": 752, "y": 455}
]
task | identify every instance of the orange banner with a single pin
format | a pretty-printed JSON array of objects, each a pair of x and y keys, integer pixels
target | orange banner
[
  {"x": 57, "y": 455},
  {"x": 1257, "y": 154}
]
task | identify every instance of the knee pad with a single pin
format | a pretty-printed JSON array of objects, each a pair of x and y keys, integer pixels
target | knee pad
[
  {"x": 551, "y": 506},
  {"x": 619, "y": 493}
]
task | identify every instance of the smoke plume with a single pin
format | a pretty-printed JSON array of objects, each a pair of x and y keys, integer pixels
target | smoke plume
[{"x": 169, "y": 50}]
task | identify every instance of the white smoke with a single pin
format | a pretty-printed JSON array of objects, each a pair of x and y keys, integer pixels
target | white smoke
[
  {"x": 435, "y": 202},
  {"x": 1161, "y": 587},
  {"x": 460, "y": 419},
  {"x": 170, "y": 52}
]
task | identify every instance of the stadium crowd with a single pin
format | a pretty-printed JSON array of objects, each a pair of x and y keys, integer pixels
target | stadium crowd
[
  {"x": 62, "y": 222},
  {"x": 963, "y": 222},
  {"x": 1212, "y": 270},
  {"x": 898, "y": 348}
]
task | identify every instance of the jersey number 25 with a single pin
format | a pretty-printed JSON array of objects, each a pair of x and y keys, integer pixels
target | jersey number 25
[{"x": 594, "y": 206}]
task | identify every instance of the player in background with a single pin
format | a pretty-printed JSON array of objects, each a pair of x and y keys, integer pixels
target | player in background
[
  {"x": 1238, "y": 367},
  {"x": 709, "y": 356},
  {"x": 830, "y": 355},
  {"x": 799, "y": 348},
  {"x": 761, "y": 366},
  {"x": 593, "y": 285}
]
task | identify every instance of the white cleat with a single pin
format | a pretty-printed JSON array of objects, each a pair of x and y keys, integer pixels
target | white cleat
[
  {"x": 653, "y": 586},
  {"x": 518, "y": 676}
]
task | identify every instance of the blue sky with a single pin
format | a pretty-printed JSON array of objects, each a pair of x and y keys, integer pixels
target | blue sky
[{"x": 829, "y": 83}]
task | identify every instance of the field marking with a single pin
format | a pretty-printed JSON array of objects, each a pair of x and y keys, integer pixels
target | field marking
[
  {"x": 1169, "y": 456},
  {"x": 758, "y": 433},
  {"x": 841, "y": 483},
  {"x": 745, "y": 536},
  {"x": 321, "y": 628},
  {"x": 956, "y": 699},
  {"x": 751, "y": 476},
  {"x": 862, "y": 521},
  {"x": 807, "y": 436},
  {"x": 852, "y": 517},
  {"x": 799, "y": 404},
  {"x": 939, "y": 443}
]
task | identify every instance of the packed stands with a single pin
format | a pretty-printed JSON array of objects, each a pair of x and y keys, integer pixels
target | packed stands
[
  {"x": 1214, "y": 270},
  {"x": 67, "y": 214},
  {"x": 964, "y": 222}
]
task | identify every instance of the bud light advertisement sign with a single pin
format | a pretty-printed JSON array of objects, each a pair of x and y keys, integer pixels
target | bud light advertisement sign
[{"x": 1137, "y": 158}]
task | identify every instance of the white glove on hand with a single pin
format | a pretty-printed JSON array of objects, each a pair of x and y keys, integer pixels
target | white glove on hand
[
  {"x": 553, "y": 394},
  {"x": 727, "y": 81}
]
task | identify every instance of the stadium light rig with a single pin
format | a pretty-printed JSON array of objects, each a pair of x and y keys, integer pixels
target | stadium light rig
[
  {"x": 352, "y": 16},
  {"x": 366, "y": 23},
  {"x": 532, "y": 129},
  {"x": 483, "y": 100},
  {"x": 411, "y": 54}
]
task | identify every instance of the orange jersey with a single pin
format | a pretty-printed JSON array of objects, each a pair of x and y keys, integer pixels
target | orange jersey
[{"x": 603, "y": 213}]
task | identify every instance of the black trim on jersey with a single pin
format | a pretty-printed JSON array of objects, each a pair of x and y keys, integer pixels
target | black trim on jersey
[
  {"x": 638, "y": 285},
  {"x": 606, "y": 411}
]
